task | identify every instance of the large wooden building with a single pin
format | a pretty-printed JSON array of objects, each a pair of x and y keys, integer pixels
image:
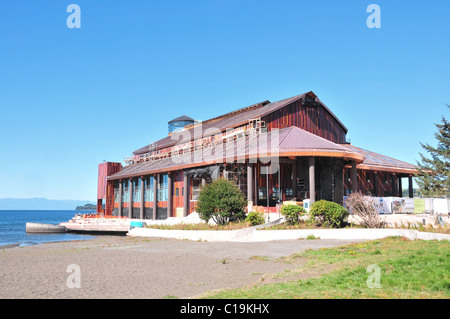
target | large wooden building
[{"x": 293, "y": 149}]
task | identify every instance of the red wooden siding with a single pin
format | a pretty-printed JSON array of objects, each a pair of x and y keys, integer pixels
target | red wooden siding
[
  {"x": 386, "y": 183},
  {"x": 105, "y": 170},
  {"x": 316, "y": 120},
  {"x": 109, "y": 201}
]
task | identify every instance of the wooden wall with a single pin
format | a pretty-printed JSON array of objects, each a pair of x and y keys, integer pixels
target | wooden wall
[
  {"x": 378, "y": 184},
  {"x": 316, "y": 120},
  {"x": 105, "y": 170}
]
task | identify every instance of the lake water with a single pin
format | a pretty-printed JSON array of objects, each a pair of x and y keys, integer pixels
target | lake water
[{"x": 13, "y": 222}]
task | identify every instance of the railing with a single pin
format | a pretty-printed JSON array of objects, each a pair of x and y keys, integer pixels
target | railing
[{"x": 254, "y": 126}]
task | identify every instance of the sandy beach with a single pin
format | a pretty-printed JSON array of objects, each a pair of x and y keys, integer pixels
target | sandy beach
[{"x": 133, "y": 268}]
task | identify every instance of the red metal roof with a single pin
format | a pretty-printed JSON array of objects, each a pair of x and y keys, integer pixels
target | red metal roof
[
  {"x": 375, "y": 161},
  {"x": 291, "y": 141}
]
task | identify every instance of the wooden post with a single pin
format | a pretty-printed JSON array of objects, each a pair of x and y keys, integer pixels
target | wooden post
[
  {"x": 130, "y": 191},
  {"x": 155, "y": 195},
  {"x": 394, "y": 184},
  {"x": 120, "y": 198},
  {"x": 410, "y": 186},
  {"x": 186, "y": 195},
  {"x": 169, "y": 195},
  {"x": 141, "y": 215},
  {"x": 203, "y": 181},
  {"x": 354, "y": 177},
  {"x": 312, "y": 180},
  {"x": 249, "y": 182},
  {"x": 375, "y": 184},
  {"x": 294, "y": 178},
  {"x": 400, "y": 188}
]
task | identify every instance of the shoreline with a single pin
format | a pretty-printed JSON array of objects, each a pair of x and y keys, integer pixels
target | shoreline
[
  {"x": 9, "y": 246},
  {"x": 13, "y": 245}
]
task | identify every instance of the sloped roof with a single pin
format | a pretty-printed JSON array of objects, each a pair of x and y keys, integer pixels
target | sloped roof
[
  {"x": 375, "y": 161},
  {"x": 291, "y": 141},
  {"x": 230, "y": 120}
]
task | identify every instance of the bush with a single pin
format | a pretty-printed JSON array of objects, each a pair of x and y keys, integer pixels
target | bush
[
  {"x": 255, "y": 218},
  {"x": 222, "y": 201},
  {"x": 292, "y": 213},
  {"x": 366, "y": 209},
  {"x": 329, "y": 214}
]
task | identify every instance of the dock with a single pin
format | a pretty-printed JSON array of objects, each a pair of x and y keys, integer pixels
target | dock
[
  {"x": 97, "y": 226},
  {"x": 44, "y": 228}
]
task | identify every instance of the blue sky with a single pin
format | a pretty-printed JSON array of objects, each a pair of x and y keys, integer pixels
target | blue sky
[{"x": 71, "y": 98}]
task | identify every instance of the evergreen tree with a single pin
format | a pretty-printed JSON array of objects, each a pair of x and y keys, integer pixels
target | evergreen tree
[{"x": 433, "y": 178}]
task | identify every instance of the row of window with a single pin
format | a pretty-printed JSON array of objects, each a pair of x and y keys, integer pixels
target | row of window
[{"x": 148, "y": 189}]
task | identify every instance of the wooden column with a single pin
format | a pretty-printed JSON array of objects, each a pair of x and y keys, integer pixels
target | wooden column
[
  {"x": 375, "y": 184},
  {"x": 120, "y": 198},
  {"x": 312, "y": 180},
  {"x": 294, "y": 178},
  {"x": 400, "y": 188},
  {"x": 169, "y": 195},
  {"x": 155, "y": 195},
  {"x": 354, "y": 177},
  {"x": 410, "y": 187},
  {"x": 130, "y": 192},
  {"x": 186, "y": 195},
  {"x": 249, "y": 182},
  {"x": 141, "y": 214},
  {"x": 203, "y": 181},
  {"x": 394, "y": 185}
]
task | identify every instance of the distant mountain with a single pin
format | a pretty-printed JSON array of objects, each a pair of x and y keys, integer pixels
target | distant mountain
[
  {"x": 41, "y": 204},
  {"x": 87, "y": 207}
]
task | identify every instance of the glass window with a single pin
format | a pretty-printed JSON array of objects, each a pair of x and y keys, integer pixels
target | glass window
[
  {"x": 125, "y": 191},
  {"x": 197, "y": 182},
  {"x": 289, "y": 192},
  {"x": 148, "y": 195},
  {"x": 116, "y": 192},
  {"x": 137, "y": 190},
  {"x": 163, "y": 187},
  {"x": 262, "y": 193}
]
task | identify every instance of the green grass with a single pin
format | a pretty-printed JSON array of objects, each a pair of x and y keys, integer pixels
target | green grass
[{"x": 409, "y": 269}]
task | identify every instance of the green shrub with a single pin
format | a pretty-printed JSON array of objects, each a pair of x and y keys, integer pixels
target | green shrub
[
  {"x": 292, "y": 213},
  {"x": 255, "y": 218},
  {"x": 329, "y": 214},
  {"x": 222, "y": 201}
]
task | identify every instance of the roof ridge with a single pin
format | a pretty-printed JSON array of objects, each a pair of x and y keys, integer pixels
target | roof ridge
[{"x": 241, "y": 110}]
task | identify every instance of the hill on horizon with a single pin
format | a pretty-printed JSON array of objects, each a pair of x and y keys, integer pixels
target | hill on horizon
[{"x": 41, "y": 204}]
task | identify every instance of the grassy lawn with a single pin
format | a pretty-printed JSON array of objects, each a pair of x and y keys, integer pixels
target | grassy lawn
[{"x": 408, "y": 269}]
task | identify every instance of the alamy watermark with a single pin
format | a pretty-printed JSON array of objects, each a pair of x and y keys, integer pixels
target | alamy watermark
[
  {"x": 374, "y": 279},
  {"x": 74, "y": 19},
  {"x": 74, "y": 279},
  {"x": 234, "y": 146},
  {"x": 374, "y": 19}
]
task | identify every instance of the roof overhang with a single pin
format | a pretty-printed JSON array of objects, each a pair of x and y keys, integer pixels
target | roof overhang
[{"x": 276, "y": 144}]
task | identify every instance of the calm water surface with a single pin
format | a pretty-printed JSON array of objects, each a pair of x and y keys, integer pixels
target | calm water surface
[{"x": 12, "y": 226}]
